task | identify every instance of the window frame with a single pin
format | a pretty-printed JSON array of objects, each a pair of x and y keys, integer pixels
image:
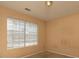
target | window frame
[{"x": 25, "y": 22}]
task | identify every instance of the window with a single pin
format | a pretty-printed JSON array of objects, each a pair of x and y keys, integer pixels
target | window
[
  {"x": 30, "y": 34},
  {"x": 20, "y": 33}
]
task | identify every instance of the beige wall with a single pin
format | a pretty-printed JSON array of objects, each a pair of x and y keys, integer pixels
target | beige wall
[
  {"x": 0, "y": 37},
  {"x": 63, "y": 35},
  {"x": 4, "y": 52}
]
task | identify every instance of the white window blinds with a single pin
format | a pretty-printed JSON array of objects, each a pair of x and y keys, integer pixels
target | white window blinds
[{"x": 20, "y": 33}]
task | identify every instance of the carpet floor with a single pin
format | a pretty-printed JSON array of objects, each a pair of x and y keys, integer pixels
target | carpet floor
[{"x": 48, "y": 55}]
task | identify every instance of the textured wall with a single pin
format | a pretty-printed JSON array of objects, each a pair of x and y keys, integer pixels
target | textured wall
[
  {"x": 5, "y": 13},
  {"x": 63, "y": 35}
]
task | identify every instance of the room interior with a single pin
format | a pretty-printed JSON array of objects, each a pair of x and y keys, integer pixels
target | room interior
[{"x": 57, "y": 29}]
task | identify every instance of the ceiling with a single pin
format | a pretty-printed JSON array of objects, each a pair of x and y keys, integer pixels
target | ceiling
[{"x": 40, "y": 10}]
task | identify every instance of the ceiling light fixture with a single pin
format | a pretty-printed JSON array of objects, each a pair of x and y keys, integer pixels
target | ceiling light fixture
[{"x": 49, "y": 3}]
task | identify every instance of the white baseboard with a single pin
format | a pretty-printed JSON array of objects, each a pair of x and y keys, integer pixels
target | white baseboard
[
  {"x": 32, "y": 54},
  {"x": 62, "y": 54}
]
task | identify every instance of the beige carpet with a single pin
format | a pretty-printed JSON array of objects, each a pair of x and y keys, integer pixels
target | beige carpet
[{"x": 48, "y": 55}]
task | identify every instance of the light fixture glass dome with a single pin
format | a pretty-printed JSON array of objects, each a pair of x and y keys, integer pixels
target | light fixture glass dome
[{"x": 49, "y": 3}]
